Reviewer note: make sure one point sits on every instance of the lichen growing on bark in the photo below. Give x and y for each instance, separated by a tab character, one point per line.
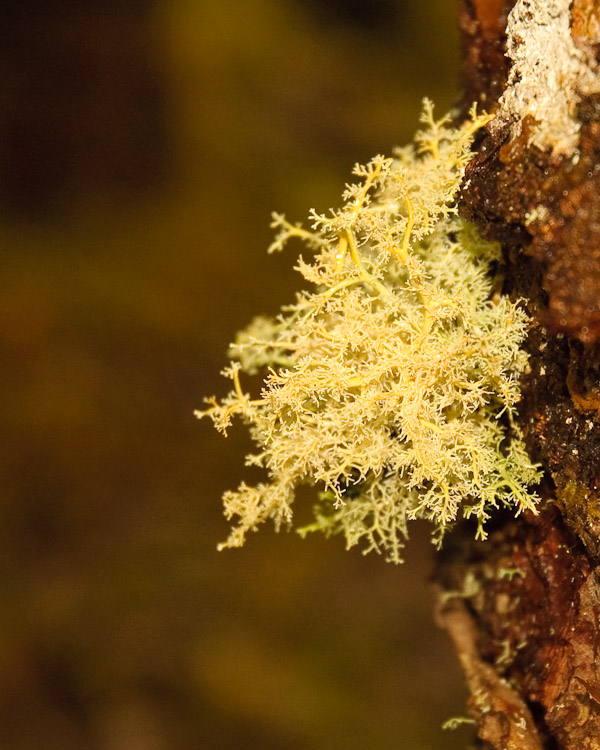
391	386
549	74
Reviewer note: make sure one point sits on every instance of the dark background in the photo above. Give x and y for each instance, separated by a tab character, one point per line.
142	147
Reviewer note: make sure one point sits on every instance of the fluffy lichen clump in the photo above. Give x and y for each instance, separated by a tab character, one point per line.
392	383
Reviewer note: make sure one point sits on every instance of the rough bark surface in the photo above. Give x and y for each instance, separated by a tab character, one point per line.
523	608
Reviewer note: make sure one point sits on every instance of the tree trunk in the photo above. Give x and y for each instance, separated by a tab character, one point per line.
523	607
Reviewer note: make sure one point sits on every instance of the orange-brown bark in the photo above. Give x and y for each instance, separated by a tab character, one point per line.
523	608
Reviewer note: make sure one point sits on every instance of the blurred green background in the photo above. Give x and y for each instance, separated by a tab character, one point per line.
142	147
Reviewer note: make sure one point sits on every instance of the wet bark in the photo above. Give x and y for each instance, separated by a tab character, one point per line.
523	608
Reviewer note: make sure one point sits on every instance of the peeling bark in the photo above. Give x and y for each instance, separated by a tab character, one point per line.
523	608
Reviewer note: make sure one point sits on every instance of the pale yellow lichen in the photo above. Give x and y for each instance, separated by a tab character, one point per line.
391	385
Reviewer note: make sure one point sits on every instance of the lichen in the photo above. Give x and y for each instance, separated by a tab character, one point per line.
549	74
391	386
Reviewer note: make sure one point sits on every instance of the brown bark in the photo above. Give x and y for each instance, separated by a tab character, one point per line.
523	608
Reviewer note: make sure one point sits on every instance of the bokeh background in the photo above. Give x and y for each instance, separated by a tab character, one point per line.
143	145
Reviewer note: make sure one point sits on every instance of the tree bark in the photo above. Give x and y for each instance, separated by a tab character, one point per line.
523	607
